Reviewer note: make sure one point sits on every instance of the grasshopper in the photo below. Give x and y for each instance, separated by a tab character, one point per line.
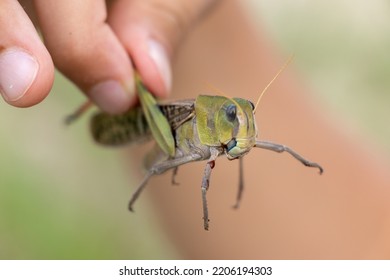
185	131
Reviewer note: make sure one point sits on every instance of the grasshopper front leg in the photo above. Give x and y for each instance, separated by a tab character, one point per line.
205	185
240	182
159	168
281	148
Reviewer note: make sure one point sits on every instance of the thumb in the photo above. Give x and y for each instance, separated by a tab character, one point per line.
26	68
151	32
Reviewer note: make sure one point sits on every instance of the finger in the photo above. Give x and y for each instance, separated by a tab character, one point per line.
26	68
86	50
151	31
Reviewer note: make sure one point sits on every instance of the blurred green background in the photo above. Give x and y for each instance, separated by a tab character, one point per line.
63	197
342	52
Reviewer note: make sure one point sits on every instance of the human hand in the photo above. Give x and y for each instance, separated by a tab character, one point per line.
96	44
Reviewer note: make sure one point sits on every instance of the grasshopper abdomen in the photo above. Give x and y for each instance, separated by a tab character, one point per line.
117	130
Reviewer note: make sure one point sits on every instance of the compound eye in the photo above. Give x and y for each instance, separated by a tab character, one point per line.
231	112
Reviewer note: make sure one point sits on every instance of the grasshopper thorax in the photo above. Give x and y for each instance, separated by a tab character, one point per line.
226	122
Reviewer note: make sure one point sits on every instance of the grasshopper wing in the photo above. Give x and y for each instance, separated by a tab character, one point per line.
178	112
158	123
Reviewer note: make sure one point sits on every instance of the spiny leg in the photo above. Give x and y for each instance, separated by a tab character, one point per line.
160	168
205	186
281	148
240	183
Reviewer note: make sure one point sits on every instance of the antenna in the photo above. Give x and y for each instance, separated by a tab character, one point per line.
274	78
214	89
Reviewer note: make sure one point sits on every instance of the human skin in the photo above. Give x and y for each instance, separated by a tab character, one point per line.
96	44
288	211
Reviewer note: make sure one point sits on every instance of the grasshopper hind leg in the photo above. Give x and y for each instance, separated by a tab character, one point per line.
140	188
159	168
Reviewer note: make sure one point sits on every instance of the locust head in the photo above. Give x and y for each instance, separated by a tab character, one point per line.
226	122
237	130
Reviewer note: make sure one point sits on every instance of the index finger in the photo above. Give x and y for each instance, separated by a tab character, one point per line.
86	50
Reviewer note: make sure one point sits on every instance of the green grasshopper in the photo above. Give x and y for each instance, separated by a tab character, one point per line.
185	131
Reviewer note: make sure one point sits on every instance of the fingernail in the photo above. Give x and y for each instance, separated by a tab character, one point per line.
160	58
18	70
111	96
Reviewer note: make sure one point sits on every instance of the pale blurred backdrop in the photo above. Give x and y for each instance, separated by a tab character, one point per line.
63	197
